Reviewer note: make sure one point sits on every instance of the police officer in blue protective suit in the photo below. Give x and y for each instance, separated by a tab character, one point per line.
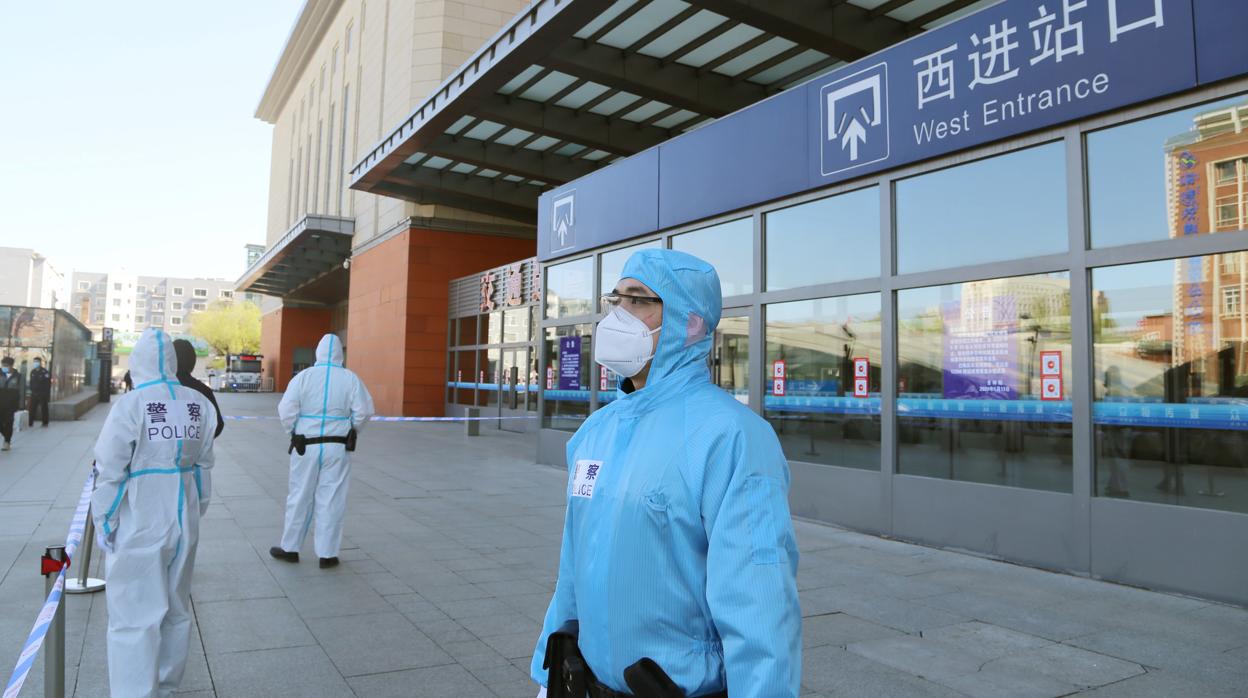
678	544
153	461
323	407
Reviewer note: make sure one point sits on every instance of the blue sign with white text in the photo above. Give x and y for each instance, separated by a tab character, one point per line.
1012	68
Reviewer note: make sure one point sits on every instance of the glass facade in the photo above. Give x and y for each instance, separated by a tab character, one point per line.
1177	174
920	363
824	241
976	402
962	214
823	389
569	364
1171	382
729	247
570	289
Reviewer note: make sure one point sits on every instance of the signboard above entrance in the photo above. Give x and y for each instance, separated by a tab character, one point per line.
1009	69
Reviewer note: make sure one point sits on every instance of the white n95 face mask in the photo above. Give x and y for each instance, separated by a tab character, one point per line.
623	343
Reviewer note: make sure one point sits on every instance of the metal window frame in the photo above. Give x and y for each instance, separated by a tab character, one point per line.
1079	260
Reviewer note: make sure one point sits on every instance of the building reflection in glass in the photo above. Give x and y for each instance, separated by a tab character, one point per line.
983	376
1171	409
810	398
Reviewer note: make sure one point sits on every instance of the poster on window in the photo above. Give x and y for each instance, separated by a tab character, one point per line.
980	342
569	363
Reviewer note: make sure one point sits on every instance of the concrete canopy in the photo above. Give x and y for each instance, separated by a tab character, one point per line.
570	86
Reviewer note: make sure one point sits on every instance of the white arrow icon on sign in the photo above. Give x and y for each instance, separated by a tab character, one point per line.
855	132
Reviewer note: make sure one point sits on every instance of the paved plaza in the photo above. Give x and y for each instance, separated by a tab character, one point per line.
450	556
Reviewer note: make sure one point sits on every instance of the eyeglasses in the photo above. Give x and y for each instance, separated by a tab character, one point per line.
615	299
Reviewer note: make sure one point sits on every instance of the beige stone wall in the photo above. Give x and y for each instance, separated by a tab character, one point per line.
400	50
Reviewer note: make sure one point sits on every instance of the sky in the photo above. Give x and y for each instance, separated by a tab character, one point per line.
127	132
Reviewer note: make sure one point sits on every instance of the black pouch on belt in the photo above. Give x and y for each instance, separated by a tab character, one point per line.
567	674
351	440
298	442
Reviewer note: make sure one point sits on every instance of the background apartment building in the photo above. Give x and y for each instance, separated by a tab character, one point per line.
28	279
130	303
371	268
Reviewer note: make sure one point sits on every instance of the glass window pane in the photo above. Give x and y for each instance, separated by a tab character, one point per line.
813	349
495	329
824	241
468	330
569	289
1181	173
1171	383
516	325
613	264
730	358
960	215
566	396
729	247
984	370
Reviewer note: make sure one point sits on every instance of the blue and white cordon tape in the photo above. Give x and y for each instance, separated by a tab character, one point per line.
34	641
392	419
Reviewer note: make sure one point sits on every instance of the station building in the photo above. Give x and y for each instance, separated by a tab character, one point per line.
983	263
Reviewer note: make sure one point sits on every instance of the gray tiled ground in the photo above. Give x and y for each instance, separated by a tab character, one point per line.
449	560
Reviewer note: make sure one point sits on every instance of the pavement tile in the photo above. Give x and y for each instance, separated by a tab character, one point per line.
431	682
517	646
292	671
251	624
835	672
507	623
375	643
334	595
840	629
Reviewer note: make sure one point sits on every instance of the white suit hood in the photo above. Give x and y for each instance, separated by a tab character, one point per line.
153	358
329	351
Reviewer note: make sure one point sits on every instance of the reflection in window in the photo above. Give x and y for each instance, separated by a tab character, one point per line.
613	265
516	325
813	349
729	247
824	241
984	368
1177	174
959	215
730	357
569	289
494	333
1171	410
567	373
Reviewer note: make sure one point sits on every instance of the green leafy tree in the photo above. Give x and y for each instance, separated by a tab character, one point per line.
229	328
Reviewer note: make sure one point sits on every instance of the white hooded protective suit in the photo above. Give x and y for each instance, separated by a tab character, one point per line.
153	459
325	399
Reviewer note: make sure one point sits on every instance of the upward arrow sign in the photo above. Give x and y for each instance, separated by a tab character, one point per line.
854	134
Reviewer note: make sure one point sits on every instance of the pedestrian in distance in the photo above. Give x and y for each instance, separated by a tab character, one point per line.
40	391
153	463
678	567
10	399
186	363
127	381
324	407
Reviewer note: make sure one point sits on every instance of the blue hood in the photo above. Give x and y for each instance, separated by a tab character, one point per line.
692	302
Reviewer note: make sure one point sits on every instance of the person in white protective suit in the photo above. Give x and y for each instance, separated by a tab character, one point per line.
678	569
153	462
323	405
